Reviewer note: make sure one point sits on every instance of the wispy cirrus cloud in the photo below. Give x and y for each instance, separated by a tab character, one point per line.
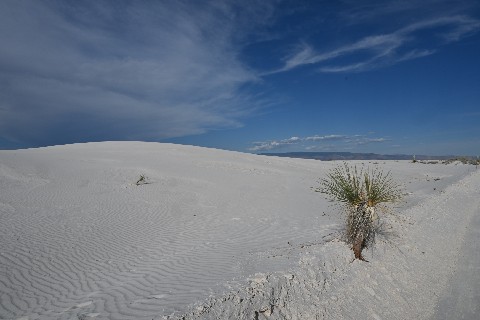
95	70
383	49
371	10
316	142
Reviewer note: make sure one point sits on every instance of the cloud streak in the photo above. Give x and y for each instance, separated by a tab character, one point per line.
383	49
122	70
315	142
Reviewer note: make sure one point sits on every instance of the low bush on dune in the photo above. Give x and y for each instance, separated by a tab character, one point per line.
360	191
143	179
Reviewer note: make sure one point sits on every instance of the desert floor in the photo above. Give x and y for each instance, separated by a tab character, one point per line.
225	235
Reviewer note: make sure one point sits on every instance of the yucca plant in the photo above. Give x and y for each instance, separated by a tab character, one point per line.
360	191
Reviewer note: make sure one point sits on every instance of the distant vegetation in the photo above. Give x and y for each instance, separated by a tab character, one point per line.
464	160
326	156
360	191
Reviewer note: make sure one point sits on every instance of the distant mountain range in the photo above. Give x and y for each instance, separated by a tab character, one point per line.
326	156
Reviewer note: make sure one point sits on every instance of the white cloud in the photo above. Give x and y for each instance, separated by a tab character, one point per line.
371	140
316	142
86	70
414	54
383	49
293	140
327	137
274	144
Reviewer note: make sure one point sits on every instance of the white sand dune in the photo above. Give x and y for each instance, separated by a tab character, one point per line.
79	240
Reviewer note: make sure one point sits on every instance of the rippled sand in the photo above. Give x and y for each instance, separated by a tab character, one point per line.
79	239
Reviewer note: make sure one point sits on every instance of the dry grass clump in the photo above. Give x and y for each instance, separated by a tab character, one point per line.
360	191
143	179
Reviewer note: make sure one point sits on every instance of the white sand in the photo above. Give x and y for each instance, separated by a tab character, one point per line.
461	300
79	240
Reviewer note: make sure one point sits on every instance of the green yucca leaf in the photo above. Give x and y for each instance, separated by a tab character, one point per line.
354	186
361	190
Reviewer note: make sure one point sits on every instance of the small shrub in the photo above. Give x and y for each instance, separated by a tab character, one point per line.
360	191
141	180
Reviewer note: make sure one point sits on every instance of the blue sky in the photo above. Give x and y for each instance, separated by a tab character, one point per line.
253	76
